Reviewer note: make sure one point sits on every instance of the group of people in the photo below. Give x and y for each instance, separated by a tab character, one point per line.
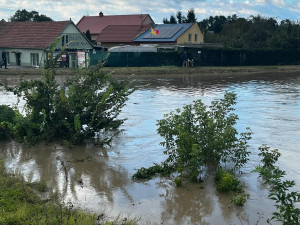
186	61
4	59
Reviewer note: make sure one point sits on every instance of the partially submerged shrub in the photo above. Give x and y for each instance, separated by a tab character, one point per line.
239	199
286	200
85	107
200	135
147	173
226	182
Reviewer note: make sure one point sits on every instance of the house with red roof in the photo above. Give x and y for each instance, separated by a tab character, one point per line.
110	30
27	43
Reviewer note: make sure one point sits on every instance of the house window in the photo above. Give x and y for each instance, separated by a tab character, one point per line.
190	37
196	37
34	59
64	39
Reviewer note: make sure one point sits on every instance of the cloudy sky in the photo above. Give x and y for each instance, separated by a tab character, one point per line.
158	9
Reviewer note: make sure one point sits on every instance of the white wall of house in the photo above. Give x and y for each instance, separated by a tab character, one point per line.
26	57
74	39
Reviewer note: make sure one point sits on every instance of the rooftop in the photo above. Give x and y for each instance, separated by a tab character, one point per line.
95	24
30	34
167	33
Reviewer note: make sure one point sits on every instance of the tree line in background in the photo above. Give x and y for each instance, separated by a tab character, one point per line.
25	16
255	32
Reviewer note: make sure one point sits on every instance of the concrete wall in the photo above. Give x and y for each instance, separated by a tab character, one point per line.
194	29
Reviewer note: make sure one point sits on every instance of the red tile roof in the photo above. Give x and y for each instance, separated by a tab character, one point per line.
30	34
97	23
121	33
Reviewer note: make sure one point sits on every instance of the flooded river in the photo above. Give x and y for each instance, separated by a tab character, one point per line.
99	179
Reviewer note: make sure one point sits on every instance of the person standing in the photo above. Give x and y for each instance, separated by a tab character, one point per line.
184	59
4	60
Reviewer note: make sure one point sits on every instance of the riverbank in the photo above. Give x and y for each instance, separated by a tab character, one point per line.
172	70
20	203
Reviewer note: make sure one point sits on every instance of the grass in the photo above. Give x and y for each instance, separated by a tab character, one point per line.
172	70
20	204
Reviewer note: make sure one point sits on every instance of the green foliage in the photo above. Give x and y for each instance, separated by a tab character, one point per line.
269	156
147	173
178	181
285	199
84	107
6	114
189	18
197	136
240	199
8	117
226	182
255	32
24	16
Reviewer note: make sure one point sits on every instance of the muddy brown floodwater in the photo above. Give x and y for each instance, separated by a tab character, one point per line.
99	179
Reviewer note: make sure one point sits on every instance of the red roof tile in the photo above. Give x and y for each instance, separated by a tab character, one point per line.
121	33
30	34
97	23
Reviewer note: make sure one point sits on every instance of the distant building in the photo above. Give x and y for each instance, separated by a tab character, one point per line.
172	34
111	30
27	43
114	35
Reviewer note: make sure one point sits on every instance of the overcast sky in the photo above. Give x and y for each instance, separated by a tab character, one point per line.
158	9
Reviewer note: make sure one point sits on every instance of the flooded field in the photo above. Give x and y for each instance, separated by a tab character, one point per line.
99	179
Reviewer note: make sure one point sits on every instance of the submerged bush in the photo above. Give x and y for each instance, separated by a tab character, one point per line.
280	190
226	182
147	173
197	136
7	122
84	108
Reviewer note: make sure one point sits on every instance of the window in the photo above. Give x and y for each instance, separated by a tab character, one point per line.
64	39
190	37
196	37
34	59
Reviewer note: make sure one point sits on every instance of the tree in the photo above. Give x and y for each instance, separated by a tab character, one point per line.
88	35
25	16
198	136
179	17
191	17
166	21
173	19
83	108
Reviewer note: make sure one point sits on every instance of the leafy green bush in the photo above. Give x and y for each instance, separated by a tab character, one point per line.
6	114
147	173
84	108
226	182
7	121
286	200
240	199
197	136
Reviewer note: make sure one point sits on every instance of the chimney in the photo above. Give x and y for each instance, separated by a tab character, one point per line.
101	14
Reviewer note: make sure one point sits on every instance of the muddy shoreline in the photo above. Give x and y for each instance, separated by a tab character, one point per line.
169	71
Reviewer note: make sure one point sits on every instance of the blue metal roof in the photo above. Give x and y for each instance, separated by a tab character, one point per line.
167	33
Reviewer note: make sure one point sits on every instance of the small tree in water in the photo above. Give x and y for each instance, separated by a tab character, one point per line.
84	107
197	136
